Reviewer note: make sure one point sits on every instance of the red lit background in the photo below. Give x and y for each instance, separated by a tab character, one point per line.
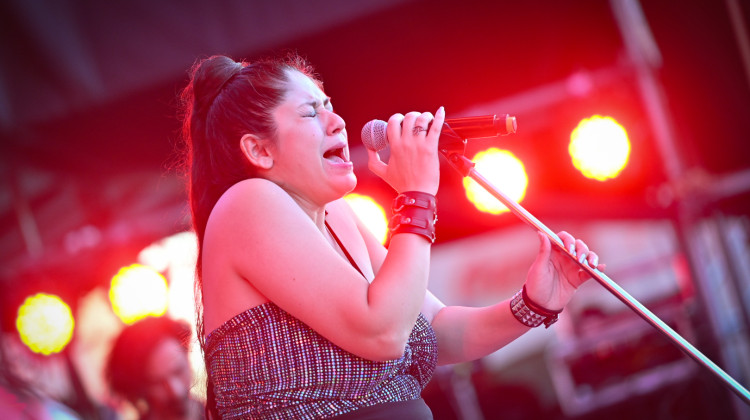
90	137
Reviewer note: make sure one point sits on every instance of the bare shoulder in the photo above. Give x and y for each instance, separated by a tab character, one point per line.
251	193
256	220
237	233
253	204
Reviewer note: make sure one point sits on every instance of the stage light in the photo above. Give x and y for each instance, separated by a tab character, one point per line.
503	170
370	213
138	291
45	323
599	147
176	256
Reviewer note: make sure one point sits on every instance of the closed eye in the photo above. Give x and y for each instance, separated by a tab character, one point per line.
312	108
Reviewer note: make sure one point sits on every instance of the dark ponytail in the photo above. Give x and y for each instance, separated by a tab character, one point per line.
223	101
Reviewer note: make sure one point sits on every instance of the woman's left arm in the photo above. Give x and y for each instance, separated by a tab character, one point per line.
466	333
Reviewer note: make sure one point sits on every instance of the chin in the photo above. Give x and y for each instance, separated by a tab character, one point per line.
345	186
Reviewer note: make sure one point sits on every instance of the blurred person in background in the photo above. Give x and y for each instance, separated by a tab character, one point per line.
148	366
43	387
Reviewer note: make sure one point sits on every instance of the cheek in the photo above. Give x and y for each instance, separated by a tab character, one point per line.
306	153
186	377
155	392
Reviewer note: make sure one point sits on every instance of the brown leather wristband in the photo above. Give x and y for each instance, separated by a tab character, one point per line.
414	212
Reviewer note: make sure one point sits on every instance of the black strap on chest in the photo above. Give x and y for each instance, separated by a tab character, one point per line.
341	245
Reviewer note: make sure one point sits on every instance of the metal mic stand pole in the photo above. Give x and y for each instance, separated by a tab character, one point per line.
454	153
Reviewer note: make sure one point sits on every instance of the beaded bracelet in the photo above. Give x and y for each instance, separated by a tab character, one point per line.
529	313
414	212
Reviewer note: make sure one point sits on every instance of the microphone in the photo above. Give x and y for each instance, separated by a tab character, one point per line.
374	136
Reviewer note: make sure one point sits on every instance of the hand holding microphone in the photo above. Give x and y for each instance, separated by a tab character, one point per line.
414	162
374	135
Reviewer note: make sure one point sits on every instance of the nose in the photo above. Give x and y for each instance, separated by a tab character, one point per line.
336	124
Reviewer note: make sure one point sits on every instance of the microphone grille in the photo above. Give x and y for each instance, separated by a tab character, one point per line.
373	135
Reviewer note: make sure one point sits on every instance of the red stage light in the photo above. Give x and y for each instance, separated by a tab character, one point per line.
599	147
138	291
371	214
505	171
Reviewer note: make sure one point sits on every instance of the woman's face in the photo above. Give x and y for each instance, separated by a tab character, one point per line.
311	152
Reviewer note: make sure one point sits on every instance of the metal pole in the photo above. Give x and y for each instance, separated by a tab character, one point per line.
613	287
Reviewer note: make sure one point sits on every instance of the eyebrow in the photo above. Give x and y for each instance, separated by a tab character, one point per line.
314	103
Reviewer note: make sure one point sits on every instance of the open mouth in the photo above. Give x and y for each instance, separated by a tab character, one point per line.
337	154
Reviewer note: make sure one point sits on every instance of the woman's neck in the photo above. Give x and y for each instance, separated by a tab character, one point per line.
315	211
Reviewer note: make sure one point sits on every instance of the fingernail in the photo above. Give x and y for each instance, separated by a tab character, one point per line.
572	249
582	258
596	261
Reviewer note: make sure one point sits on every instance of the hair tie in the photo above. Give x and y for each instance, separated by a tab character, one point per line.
238	68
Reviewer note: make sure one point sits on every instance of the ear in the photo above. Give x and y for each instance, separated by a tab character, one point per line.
257	151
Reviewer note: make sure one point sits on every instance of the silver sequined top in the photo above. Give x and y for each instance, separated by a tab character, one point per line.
266	364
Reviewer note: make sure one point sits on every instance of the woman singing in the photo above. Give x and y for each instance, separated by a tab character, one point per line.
303	313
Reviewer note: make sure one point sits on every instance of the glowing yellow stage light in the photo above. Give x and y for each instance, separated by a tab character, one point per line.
599	147
138	291
504	171
371	214
45	323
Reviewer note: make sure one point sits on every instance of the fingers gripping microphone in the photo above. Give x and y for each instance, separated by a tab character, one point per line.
374	132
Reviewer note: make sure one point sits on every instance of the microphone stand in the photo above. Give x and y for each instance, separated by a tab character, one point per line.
453	148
